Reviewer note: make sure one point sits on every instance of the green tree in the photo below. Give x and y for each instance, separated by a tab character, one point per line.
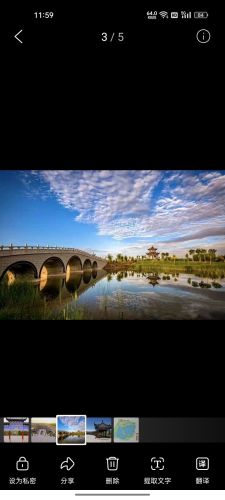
191	252
109	257
212	254
163	255
198	253
187	256
203	253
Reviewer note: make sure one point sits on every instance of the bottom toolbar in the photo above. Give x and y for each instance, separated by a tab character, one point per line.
113	467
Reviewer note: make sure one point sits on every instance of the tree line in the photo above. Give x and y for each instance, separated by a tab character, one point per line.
196	255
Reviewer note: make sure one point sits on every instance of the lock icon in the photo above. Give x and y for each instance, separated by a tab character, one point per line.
22	464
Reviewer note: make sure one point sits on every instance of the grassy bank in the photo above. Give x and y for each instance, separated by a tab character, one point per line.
201	269
113	267
22	301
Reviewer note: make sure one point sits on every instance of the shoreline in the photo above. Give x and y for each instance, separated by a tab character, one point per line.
118	267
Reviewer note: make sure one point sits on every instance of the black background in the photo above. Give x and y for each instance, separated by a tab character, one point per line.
110	107
73	102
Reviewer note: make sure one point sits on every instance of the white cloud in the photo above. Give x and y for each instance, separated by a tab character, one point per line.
158	205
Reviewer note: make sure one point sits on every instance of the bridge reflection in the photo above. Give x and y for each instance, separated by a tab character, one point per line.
60	289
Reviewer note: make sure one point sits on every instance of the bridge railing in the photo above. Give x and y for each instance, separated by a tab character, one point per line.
39	247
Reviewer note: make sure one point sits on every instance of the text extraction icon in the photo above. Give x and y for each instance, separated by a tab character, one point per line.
112	464
68	464
164	14
22	465
201	15
174	15
157	463
202	463
203	36
17	36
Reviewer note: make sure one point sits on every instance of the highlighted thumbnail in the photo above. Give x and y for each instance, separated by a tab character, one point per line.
71	429
99	430
16	430
43	430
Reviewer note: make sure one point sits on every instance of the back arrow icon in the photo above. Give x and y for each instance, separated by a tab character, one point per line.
16	36
67	464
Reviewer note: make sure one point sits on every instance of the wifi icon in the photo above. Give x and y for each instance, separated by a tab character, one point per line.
163	14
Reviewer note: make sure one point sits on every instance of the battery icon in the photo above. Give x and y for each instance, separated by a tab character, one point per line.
201	15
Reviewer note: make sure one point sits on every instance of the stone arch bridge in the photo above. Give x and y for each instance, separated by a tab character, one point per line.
39	262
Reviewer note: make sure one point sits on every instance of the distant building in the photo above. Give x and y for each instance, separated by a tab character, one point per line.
152	253
103	430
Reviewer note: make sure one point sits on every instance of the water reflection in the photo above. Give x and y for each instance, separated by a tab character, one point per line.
129	295
52	288
74	282
153	279
87	275
94	274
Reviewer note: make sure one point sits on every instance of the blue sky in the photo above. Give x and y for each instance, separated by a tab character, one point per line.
114	211
71	424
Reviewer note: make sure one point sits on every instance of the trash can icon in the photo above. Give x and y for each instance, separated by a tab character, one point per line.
112	464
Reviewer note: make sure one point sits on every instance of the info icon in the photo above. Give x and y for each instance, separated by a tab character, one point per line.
202	463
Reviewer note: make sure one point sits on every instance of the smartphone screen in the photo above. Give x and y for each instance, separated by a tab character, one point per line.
112	202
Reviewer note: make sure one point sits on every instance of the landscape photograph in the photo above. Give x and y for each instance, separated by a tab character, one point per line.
71	430
99	429
16	430
43	430
112	244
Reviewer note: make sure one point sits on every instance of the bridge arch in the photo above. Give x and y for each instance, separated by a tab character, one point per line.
95	265
87	264
20	270
73	265
51	266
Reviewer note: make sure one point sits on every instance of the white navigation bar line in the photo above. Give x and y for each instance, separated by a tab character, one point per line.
154	494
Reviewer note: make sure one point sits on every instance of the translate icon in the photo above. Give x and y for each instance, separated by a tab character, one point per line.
202	463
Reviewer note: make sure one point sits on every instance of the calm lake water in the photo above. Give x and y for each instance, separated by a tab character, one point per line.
72	440
131	295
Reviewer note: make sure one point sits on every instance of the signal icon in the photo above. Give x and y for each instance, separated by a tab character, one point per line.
164	14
